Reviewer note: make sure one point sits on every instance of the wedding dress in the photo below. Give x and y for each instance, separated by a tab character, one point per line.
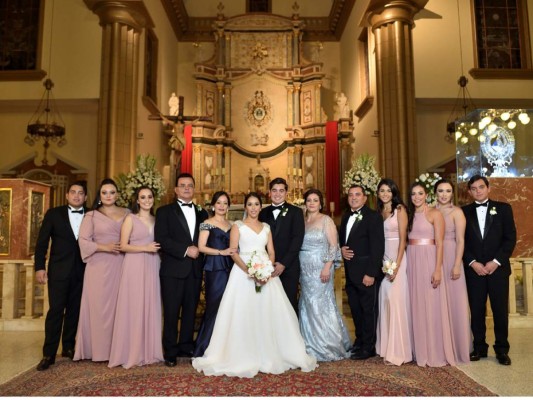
254	332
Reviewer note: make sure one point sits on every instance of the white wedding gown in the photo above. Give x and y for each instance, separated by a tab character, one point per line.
254	332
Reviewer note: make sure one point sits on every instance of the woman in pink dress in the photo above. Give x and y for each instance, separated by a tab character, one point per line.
432	339
394	324
100	249
453	273
137	328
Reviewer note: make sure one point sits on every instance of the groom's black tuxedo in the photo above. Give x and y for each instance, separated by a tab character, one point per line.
288	231
497	243
65	279
181	277
367	240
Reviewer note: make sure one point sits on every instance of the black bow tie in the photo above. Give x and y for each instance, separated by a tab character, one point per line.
277	207
80	211
185	204
358	212
485	204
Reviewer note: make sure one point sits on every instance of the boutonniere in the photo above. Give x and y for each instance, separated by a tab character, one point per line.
284	211
198	207
493	211
358	217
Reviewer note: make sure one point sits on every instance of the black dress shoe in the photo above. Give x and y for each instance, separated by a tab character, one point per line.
68	353
45	363
476	355
503	359
170	363
363	354
354	349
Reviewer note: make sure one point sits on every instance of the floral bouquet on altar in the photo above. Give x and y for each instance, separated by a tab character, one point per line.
362	173
428	180
259	267
389	266
145	174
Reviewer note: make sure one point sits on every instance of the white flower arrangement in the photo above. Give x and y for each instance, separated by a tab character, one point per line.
362	173
298	202
493	211
145	174
428	180
389	266
259	267
358	217
284	211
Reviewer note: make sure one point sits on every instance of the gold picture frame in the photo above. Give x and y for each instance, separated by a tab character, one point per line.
35	218
6	196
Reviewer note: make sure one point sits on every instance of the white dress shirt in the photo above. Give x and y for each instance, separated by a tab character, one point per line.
350	223
190	215
75	220
482	217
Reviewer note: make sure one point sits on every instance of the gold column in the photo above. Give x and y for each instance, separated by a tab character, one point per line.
122	23
391	22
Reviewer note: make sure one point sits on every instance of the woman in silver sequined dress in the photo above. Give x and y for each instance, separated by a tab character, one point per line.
321	324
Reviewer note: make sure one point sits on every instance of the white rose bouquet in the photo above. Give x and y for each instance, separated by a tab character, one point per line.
389	266
362	173
259	267
145	174
428	180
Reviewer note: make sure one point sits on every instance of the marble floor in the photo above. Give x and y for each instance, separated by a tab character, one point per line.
21	351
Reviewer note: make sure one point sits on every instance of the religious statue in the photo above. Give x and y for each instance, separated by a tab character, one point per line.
341	109
174	105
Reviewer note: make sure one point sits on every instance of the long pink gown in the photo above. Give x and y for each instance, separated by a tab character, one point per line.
432	339
456	294
100	287
137	329
394	324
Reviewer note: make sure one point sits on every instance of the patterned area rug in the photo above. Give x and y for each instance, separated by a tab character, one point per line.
341	378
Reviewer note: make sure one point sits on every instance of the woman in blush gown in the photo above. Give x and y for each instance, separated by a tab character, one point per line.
321	324
213	241
137	329
453	273
254	331
394	334
432	339
99	242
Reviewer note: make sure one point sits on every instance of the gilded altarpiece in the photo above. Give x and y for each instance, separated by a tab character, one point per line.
264	100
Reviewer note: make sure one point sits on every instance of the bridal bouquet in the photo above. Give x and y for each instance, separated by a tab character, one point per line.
259	267
389	266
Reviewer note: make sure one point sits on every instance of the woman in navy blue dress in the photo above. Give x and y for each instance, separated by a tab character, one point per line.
213	241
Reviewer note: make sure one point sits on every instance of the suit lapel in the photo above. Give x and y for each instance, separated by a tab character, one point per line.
66	220
181	218
474	223
196	230
278	221
488	220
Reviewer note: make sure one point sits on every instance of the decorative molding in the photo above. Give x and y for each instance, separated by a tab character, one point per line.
201	29
493	73
35	75
364	107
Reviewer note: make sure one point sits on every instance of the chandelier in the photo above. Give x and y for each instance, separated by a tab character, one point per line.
46	123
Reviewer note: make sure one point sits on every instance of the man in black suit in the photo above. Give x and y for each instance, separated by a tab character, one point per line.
61	225
288	228
176	229
490	238
362	242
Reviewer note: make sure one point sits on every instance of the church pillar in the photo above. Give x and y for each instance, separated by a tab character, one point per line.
122	23
392	22
226	179
296	113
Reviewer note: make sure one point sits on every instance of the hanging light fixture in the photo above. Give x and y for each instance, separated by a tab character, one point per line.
46	122
457	132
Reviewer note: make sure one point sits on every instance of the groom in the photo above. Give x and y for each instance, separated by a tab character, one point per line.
362	242
287	225
490	238
176	229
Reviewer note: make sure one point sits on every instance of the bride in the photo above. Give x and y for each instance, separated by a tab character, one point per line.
254	331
